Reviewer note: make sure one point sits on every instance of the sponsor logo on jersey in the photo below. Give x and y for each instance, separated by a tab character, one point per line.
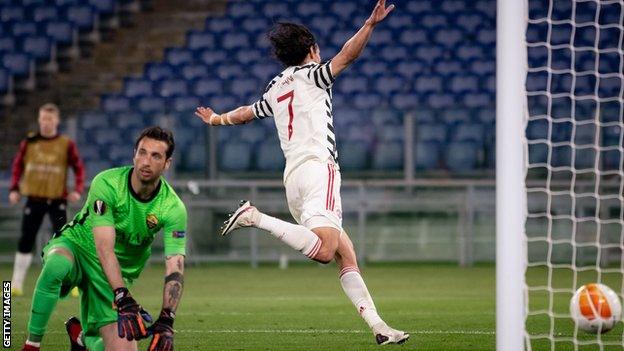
99	207
178	234
151	221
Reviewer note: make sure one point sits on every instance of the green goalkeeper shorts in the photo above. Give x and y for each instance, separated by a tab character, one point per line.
96	295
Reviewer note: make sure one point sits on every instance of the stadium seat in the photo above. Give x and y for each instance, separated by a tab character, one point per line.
185	103
207	87
242	9
178	56
561	156
461	157
371	67
219	25
159	71
127	120
449	38
245	87
400	21
265	71
211	57
235	156
427	155
469	21
324	25
388	156
150	104
441	101
23	28
10	13
238	40
93	120
584	158
352	84
45	13
353	156
275	9
611	160
63	33
390	84
41	48
431	132
464	84
247	56
22	68
115	103
472	132
83	16
308	9
460	116
538	153
200	40
269	156
429	84
367	101
172	87
478	100
584	134
229	71
137	87
611	135
223	103
390	133
194	71
405	100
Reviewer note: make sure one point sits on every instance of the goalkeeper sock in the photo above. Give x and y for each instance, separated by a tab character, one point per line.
20	267
94	343
47	292
353	285
296	236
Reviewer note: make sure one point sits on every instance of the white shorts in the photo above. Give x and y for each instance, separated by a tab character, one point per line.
313	195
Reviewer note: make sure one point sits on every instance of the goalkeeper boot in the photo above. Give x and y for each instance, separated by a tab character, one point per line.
385	335
16	292
245	215
74	331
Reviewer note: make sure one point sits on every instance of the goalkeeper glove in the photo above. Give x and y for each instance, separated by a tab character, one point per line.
162	331
130	316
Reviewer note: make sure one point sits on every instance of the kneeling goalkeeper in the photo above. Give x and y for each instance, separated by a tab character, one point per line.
105	248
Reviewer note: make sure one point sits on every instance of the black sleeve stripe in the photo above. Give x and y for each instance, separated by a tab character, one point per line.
328	69
255	107
262	109
316	81
268	106
325	82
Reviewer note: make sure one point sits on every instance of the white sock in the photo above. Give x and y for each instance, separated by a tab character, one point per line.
353	285
296	236
32	343
20	267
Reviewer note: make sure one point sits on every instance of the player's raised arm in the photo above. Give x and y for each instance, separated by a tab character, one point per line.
241	115
353	48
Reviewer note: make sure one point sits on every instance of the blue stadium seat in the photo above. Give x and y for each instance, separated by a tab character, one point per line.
448	68
255	25
367	101
20	65
194	159
159	71
417	7
429	84
23	28
414	37
584	158
89	152
381	38
229	71
127	120
237	40
265	71
462	157
94	120
249	56
275	9
561	156
115	103
10	13
172	87
96	166
137	87
200	40
353	156
371	67
235	156
449	38
431	132
324	24
41	48
178	56
405	100
427	155
63	33
538	153
400	21
219	25
104	137
6	81
242	9
83	16
456	116
245	87
469	21
105	7
390	84
478	100
207	87
464	83
585	134
352	84
194	71
611	135
433	20
390	133
486	36
45	13
307	9
211	57
151	104
185	103
252	133
269	156
469	132
537	129
388	156
393	54
7	44
611	160
425	115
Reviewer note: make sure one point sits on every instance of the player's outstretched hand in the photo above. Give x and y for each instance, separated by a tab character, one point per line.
162	332
379	12
130	316
206	114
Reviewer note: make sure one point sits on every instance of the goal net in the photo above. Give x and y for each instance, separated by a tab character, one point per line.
574	181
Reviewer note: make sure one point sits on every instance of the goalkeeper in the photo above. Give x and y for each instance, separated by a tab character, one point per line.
105	248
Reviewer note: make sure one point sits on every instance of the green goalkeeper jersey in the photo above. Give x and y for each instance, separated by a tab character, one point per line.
113	202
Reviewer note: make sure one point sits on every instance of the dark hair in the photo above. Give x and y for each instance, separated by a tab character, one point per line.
291	42
158	133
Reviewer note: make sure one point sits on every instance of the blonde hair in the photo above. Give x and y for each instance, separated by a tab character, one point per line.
50	107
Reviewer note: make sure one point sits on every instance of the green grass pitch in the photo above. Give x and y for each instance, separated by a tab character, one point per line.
235	307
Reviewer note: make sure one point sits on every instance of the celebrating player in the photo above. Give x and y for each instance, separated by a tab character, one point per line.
105	248
299	99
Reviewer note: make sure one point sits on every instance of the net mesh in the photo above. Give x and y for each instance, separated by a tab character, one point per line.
574	183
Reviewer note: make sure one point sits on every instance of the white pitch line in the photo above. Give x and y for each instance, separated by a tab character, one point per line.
310	331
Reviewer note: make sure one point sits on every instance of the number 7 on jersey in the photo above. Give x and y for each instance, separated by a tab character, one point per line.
290	96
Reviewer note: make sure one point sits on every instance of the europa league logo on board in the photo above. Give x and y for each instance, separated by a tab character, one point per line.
151	221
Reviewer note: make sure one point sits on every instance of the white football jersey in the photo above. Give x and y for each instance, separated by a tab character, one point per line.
300	100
